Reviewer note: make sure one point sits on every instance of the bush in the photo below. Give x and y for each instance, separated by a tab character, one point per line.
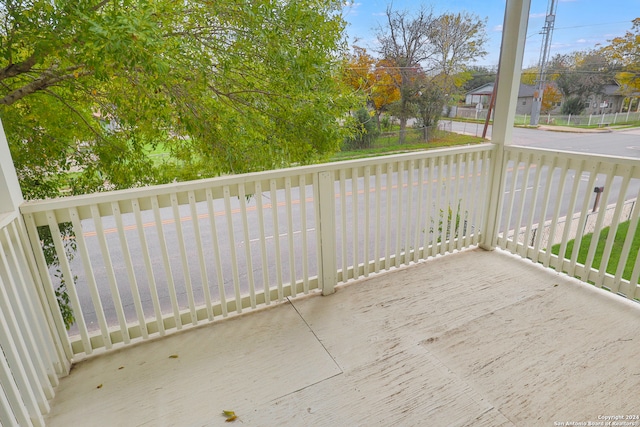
364	133
574	106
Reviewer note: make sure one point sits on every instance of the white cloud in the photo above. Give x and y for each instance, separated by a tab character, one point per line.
497	28
537	15
351	9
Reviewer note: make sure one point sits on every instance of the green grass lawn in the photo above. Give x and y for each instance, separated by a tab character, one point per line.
388	145
618	242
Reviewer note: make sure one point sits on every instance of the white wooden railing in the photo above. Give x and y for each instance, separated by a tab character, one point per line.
31	356
150	260
549	197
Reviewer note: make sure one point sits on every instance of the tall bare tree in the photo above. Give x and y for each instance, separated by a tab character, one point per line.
439	47
404	41
456	39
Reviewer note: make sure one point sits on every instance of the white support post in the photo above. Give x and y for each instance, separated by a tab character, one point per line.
514	33
326	233
10	193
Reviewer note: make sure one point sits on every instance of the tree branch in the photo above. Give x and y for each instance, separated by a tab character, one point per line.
66	104
13	70
47	79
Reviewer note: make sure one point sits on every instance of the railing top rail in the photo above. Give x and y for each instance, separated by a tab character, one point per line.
158	190
576	156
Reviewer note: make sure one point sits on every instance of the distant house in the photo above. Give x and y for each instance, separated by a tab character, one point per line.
611	100
482	95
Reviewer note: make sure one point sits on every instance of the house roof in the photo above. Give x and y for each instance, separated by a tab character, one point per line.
525	91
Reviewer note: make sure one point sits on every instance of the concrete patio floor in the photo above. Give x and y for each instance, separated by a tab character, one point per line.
470	339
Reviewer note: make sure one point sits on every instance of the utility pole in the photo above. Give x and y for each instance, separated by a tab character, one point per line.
547	33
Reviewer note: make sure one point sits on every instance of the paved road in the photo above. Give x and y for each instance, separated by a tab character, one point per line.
624	143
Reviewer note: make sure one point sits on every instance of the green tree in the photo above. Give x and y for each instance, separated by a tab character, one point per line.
478	76
625	51
430	103
365	131
227	86
574	106
581	74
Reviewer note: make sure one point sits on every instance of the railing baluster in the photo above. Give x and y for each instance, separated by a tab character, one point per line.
69	282
292	264
216	252
34	300
242	199
378	224
204	277
613	226
233	247
387	218
593	166
20	325
165	259
263	244
343	226
564	167
474	197
16	370
355	214
400	189
515	171
429	247
442	206
135	293
521	219
409	222
546	193
153	288
463	226
276	236
183	257
417	253
483	194
573	198
524	249
600	225
304	224
367	218
455	219
81	247
111	275
624	254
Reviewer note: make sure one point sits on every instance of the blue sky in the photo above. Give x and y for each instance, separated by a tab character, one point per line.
579	25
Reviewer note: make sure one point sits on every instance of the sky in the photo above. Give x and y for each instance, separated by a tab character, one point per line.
579	24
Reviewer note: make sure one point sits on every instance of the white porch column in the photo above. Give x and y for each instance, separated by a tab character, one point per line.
10	193
514	33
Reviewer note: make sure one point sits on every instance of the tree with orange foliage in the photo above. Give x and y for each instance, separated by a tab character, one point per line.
551	96
386	90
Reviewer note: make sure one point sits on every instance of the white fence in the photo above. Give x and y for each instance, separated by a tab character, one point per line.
601	120
138	263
